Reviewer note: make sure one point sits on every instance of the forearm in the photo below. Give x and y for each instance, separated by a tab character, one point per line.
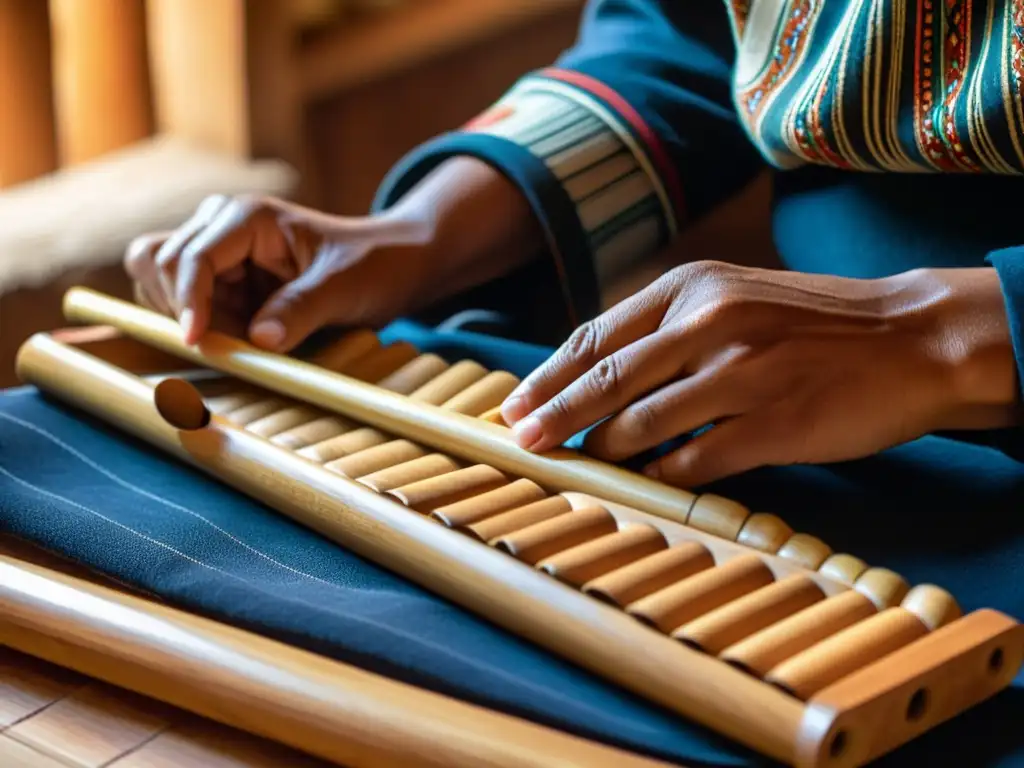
479	227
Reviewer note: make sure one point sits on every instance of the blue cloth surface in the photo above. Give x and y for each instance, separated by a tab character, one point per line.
936	510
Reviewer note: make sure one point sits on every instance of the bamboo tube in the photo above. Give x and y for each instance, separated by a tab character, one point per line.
652	574
721	549
423	468
472	439
313	432
512	520
497	587
319	706
485	505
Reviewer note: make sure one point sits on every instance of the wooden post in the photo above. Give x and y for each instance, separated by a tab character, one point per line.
101	76
27	144
223	75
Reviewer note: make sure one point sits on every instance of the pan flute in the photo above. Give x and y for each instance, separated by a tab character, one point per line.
726	617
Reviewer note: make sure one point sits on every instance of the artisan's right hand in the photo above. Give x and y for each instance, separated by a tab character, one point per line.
282	271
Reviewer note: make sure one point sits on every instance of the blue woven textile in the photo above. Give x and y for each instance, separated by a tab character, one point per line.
936	510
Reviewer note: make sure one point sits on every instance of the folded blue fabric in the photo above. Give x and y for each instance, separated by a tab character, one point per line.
935	510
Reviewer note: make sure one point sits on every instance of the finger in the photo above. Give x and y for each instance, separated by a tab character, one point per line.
729	448
221	245
140	254
608	387
241	231
169	253
682	406
632	319
297	309
140	266
144	299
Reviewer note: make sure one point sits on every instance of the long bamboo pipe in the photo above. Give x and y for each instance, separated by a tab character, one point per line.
456	434
319	706
498	587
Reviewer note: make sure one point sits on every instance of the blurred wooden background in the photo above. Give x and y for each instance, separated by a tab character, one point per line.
340	89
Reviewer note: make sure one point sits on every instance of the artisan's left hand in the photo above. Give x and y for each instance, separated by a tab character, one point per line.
790	368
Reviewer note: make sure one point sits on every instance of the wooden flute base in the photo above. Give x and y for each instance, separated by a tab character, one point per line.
730	619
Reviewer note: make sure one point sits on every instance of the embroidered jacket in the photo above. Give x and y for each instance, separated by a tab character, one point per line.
664	108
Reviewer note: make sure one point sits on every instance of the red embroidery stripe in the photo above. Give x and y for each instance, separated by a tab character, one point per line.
489	117
655	149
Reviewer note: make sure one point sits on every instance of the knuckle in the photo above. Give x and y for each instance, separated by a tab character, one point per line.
583	344
166	259
606	377
724	308
139	254
558	409
211	204
697	271
708	277
251	206
638	420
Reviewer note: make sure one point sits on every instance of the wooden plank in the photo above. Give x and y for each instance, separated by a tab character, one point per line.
52	717
60	718
14	754
383	43
28	686
358	134
202	743
94	725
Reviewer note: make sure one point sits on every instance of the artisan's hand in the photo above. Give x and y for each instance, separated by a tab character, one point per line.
790	368
282	271
237	253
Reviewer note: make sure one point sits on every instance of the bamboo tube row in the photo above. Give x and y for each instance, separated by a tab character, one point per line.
757	611
450	408
729	586
754	607
380	528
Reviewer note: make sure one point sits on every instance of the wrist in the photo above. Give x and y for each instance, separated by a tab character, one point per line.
960	319
476	223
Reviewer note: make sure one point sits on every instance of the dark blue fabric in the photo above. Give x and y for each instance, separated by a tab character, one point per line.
936	510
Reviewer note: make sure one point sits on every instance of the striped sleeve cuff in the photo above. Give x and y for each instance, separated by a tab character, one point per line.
1009	266
595	174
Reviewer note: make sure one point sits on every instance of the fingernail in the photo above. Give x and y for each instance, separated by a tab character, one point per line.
653	471
513	409
528	432
268	333
187	321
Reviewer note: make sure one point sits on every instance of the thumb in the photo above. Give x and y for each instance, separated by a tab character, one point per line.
728	448
295	310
